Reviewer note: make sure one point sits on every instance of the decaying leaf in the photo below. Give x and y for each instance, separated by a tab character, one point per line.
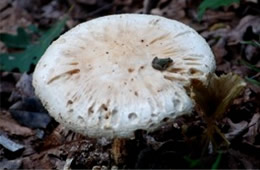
10	144
23	88
236	35
254	129
213	100
11	164
236	129
9	125
118	150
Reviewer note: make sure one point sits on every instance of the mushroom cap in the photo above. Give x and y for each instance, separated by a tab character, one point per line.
97	79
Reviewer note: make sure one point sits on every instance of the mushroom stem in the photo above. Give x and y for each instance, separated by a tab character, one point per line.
119	150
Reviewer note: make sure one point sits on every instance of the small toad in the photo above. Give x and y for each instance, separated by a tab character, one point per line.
161	64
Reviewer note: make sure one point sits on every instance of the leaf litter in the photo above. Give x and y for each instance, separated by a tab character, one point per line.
231	31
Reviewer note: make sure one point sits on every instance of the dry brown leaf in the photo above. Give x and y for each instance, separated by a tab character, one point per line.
219	50
235	129
12	18
236	35
23	88
214	16
10	126
11	164
174	10
60	136
254	129
214	98
87	2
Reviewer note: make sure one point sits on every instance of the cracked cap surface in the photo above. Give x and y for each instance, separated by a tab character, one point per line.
97	79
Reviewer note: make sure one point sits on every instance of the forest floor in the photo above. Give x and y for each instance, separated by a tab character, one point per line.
31	139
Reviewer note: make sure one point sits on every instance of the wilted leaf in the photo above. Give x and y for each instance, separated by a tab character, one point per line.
236	129
33	52
214	98
213	4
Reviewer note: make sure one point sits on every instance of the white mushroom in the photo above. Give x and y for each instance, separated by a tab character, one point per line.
98	78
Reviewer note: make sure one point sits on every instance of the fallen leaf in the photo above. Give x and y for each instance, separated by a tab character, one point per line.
51	10
31	119
59	136
120	2
213	99
20	40
236	129
11	164
242	160
254	129
4	4
10	126
236	35
67	164
219	50
12	18
252	53
23	88
212	17
174	9
225	68
10	144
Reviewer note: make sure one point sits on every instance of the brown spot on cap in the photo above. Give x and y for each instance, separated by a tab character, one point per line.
130	70
104	107
69	102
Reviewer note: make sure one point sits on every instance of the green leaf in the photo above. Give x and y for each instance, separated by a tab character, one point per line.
21	40
253	81
192	162
33	52
217	162
252	42
35	30
213	4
